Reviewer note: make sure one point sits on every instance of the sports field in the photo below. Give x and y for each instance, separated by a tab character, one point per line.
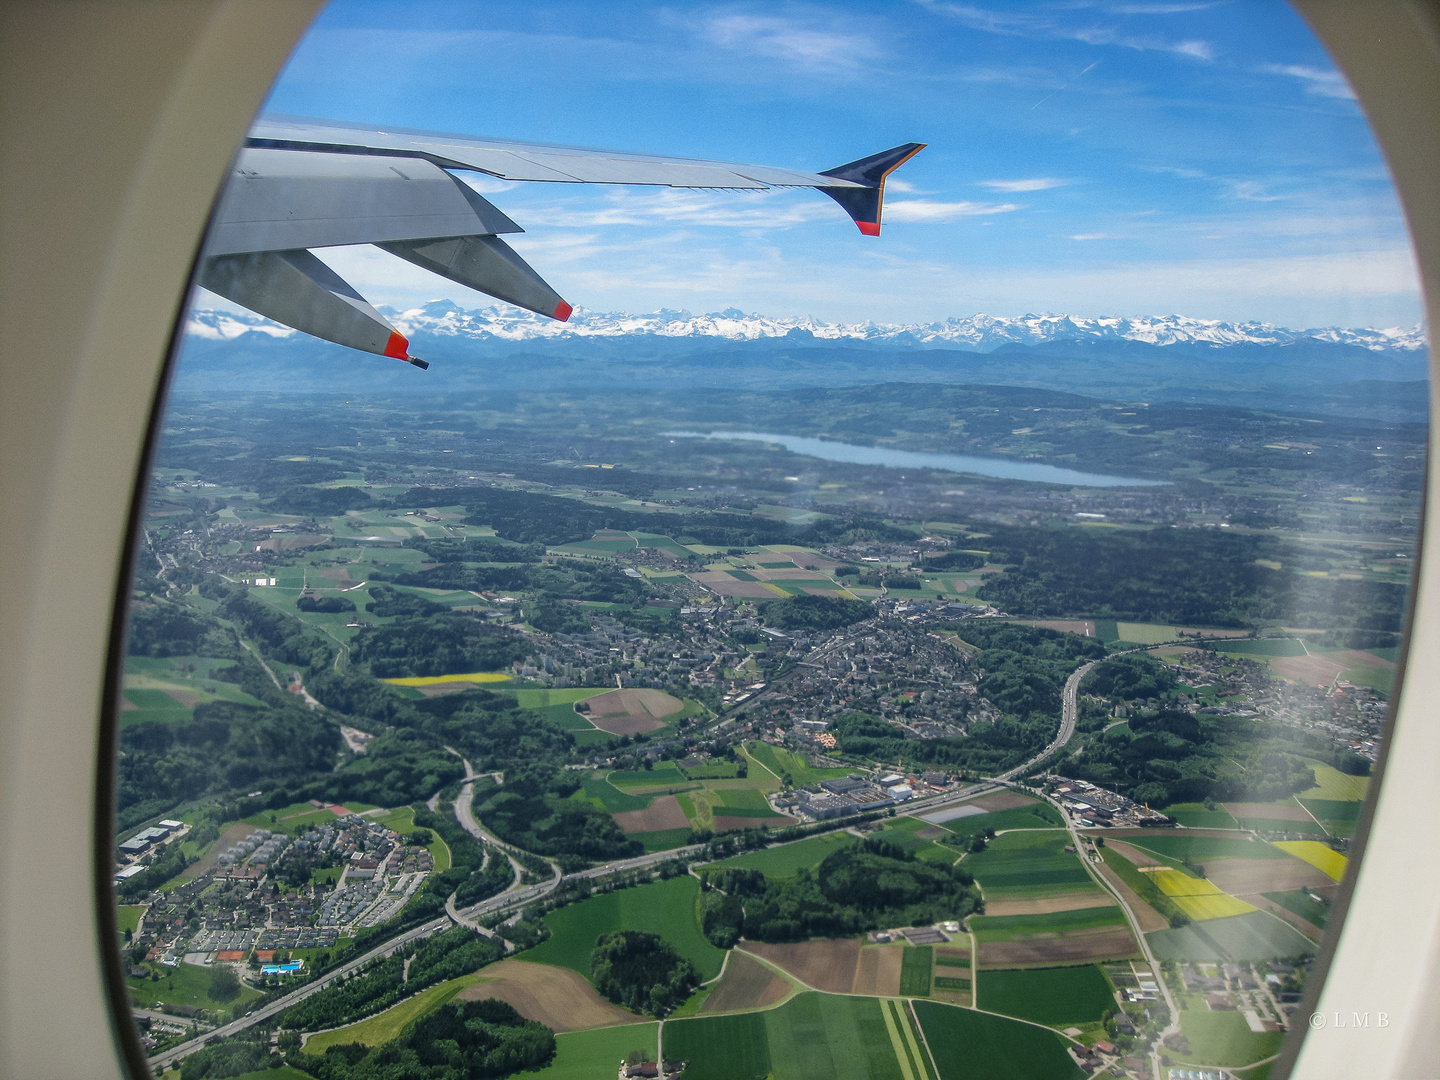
1056	997
596	1055
1319	855
666	908
1027	864
785	860
1256	936
1197	897
969	1045
811	1037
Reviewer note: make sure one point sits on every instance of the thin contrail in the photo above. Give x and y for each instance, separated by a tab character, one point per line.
1052	93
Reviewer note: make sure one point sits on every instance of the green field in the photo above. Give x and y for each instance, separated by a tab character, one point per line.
1195	816
1223	1038
1255	936
915	967
1107	630
182	985
665	774
1301	903
666	908
1262	647
952	982
1037	816
969	1045
1056	997
1338	817
1175	847
1010	927
127	917
596	1054
610	799
718	769
1331	783
785	860
811	1037
780	761
1144	633
662	839
1027	864
284	1072
1281	825
382	1027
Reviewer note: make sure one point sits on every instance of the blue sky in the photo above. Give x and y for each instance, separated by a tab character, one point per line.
1094	158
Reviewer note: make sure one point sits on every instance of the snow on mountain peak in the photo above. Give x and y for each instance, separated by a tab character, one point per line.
978	333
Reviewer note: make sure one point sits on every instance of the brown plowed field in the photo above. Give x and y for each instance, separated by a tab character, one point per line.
1002	800
1134	855
184	697
1150	920
725	823
877	974
631	712
724	585
1239	810
556	997
1071	901
1357	658
1311	670
1101	944
663	813
1236	876
746	984
941	951
825	965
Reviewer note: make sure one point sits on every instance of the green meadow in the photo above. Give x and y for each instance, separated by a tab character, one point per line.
666	908
969	1045
1011	927
1027	864
1056	997
786	859
813	1036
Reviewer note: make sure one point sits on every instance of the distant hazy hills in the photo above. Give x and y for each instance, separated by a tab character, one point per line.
1335	369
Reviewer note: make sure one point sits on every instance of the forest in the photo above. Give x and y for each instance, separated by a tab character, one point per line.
641	972
858	888
466	1040
1201	577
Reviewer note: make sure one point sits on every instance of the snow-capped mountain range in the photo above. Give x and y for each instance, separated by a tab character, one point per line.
976	333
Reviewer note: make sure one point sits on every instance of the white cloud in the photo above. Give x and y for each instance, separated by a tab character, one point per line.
1318	81
1095	236
1254	191
786	39
1026	24
1043	183
933	211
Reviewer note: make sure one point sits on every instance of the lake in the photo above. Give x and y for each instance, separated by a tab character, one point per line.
851	454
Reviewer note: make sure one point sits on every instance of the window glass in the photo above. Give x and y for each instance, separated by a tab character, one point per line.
873	653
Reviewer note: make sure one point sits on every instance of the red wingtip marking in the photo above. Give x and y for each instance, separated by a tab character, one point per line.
562	312
398	347
869	228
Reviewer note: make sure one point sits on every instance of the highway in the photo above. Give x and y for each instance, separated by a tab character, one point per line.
515	897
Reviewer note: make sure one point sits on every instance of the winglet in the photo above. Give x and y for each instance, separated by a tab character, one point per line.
863	203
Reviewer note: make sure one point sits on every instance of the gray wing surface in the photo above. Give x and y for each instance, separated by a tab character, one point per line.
302	184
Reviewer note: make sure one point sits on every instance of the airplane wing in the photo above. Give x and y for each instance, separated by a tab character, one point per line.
300	184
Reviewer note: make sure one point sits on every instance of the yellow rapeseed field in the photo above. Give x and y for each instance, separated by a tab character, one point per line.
435	680
1321	856
1197	897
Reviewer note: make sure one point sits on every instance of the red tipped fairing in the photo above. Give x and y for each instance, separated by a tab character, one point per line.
301	185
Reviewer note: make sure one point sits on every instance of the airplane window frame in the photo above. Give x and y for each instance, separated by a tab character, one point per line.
1417	206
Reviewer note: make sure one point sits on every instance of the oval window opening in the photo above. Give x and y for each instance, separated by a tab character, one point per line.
625	607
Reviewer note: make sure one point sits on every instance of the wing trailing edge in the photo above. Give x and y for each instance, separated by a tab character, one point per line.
304	184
